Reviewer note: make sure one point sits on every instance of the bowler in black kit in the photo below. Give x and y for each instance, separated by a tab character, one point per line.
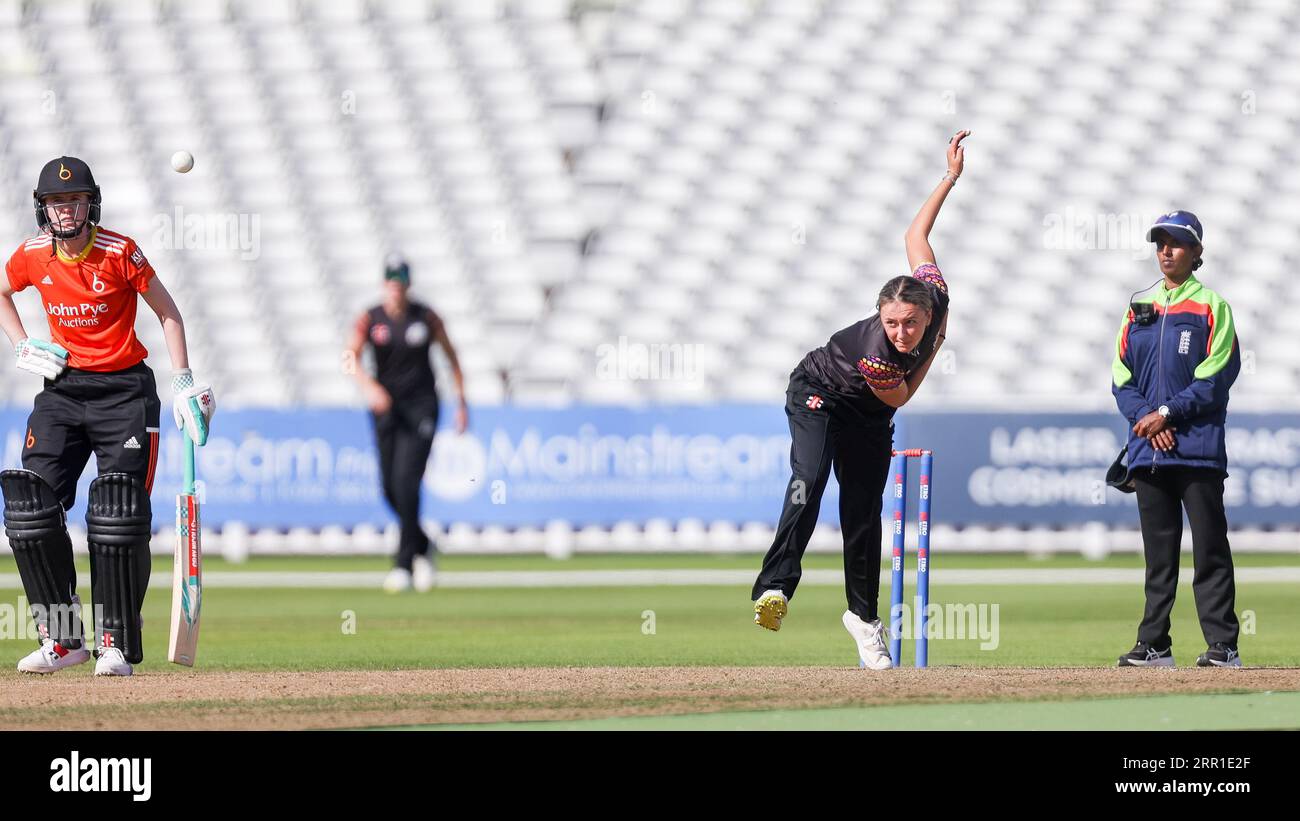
840	405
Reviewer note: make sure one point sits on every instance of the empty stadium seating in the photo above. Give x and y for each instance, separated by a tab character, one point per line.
326	134
738	173
734	175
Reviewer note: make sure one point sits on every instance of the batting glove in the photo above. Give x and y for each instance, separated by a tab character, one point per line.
41	358
193	406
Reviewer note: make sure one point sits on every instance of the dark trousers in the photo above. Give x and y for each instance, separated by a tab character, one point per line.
405	438
1162	497
831	434
113	415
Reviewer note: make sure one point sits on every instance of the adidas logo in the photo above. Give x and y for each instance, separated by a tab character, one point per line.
47	280
131	443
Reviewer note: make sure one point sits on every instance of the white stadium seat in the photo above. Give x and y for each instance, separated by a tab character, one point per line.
670	180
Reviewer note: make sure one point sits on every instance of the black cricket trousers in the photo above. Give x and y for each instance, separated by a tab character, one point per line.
404	436
830	433
112	414
1162	495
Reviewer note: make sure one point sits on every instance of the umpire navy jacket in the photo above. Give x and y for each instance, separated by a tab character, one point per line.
1187	359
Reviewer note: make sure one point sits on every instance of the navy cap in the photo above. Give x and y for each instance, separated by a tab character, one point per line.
1181	225
65	175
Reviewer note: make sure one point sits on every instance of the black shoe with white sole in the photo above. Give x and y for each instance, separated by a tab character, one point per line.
1144	655
1219	655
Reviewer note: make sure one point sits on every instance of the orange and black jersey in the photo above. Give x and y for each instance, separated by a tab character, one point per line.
89	300
861	356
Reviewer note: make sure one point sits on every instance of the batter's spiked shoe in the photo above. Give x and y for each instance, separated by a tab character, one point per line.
52	657
111	662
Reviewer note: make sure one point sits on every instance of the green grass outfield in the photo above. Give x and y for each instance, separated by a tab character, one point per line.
363	628
1246	711
682	561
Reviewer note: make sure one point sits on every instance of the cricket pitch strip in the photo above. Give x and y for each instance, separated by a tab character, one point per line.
180	700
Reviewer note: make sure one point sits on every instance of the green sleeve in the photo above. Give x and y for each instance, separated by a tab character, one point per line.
1223	336
1119	369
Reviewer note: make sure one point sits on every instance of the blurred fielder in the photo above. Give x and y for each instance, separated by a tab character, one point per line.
840	404
403	400
99	397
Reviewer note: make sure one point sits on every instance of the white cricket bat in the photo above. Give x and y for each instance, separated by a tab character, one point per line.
187	570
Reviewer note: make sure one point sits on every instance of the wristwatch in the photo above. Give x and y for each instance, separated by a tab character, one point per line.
1163	410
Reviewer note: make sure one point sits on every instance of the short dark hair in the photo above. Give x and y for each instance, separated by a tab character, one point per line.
905	289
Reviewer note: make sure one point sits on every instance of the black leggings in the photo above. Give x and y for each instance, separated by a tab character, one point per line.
405	437
1162	497
858	446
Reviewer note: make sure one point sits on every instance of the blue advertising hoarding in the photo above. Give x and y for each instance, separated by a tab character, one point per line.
600	465
1049	469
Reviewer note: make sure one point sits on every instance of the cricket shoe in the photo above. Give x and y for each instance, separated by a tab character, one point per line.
52	657
398	580
424	574
1144	655
870	636
1219	655
770	608
111	662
